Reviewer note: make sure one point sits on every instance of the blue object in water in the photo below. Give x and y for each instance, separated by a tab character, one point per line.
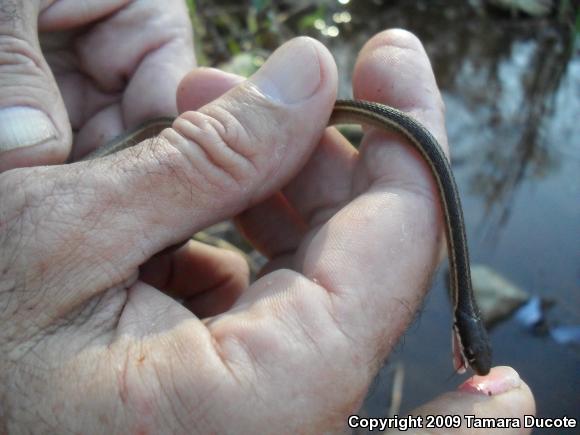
566	334
530	314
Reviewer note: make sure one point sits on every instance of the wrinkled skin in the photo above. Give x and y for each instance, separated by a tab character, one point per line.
92	336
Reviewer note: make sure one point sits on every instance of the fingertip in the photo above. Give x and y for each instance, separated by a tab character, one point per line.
328	68
499	380
225	274
393	68
203	85
209	279
512	401
34	126
396	37
301	70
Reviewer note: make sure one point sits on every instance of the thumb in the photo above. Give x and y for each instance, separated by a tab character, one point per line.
499	397
34	126
211	165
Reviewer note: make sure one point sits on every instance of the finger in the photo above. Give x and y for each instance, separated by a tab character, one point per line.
214	163
34	127
208	279
137	52
376	254
273	226
198	88
501	395
323	186
408	66
327	182
165	51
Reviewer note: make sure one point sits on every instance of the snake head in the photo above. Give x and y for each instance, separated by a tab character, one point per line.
471	344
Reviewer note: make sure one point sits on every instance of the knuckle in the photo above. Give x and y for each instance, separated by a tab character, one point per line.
219	145
19	58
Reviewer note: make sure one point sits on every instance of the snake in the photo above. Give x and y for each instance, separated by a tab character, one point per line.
470	342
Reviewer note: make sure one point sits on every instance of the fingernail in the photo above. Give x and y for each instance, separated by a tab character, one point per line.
292	73
23	126
500	380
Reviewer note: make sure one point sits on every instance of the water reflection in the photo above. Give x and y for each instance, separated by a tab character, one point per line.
520	105
504	74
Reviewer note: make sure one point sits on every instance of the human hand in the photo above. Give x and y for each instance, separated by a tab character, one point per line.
329	224
87	346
